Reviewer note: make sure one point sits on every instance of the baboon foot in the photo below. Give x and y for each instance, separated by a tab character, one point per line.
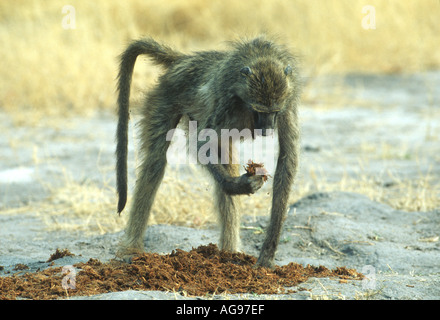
126	253
265	262
230	246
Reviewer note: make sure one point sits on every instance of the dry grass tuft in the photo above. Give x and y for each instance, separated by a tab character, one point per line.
421	194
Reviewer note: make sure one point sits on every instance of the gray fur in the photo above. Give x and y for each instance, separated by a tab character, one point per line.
255	85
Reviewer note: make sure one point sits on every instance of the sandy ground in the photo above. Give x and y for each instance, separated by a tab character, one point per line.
388	126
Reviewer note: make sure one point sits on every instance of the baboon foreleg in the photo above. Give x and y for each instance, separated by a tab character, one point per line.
284	176
235	185
224	173
281	191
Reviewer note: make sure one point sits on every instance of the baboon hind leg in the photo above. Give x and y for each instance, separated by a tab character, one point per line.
154	146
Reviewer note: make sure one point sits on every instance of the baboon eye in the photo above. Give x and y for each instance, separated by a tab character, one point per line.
246	71
288	70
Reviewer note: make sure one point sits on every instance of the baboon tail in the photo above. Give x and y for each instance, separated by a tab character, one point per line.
161	55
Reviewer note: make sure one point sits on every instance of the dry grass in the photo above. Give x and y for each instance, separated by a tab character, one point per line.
47	70
186	199
91	209
421	194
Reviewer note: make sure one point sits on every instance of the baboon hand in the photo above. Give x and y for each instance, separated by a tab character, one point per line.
255	182
245	184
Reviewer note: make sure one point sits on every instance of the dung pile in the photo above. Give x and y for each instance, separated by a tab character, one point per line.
201	271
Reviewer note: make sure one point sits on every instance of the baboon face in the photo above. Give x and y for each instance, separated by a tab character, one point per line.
267	87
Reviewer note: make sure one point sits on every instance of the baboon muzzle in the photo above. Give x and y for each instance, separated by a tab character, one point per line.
265	122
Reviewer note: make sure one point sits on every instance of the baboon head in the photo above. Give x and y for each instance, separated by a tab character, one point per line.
266	89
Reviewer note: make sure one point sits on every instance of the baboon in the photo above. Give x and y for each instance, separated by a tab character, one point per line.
254	85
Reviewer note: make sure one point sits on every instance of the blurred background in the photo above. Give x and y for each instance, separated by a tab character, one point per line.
47	68
369	106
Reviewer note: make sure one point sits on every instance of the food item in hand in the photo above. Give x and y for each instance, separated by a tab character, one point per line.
253	168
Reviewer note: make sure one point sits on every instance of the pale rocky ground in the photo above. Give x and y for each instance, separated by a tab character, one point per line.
386	127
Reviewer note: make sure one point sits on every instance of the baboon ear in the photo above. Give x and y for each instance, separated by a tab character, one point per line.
288	70
246	71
